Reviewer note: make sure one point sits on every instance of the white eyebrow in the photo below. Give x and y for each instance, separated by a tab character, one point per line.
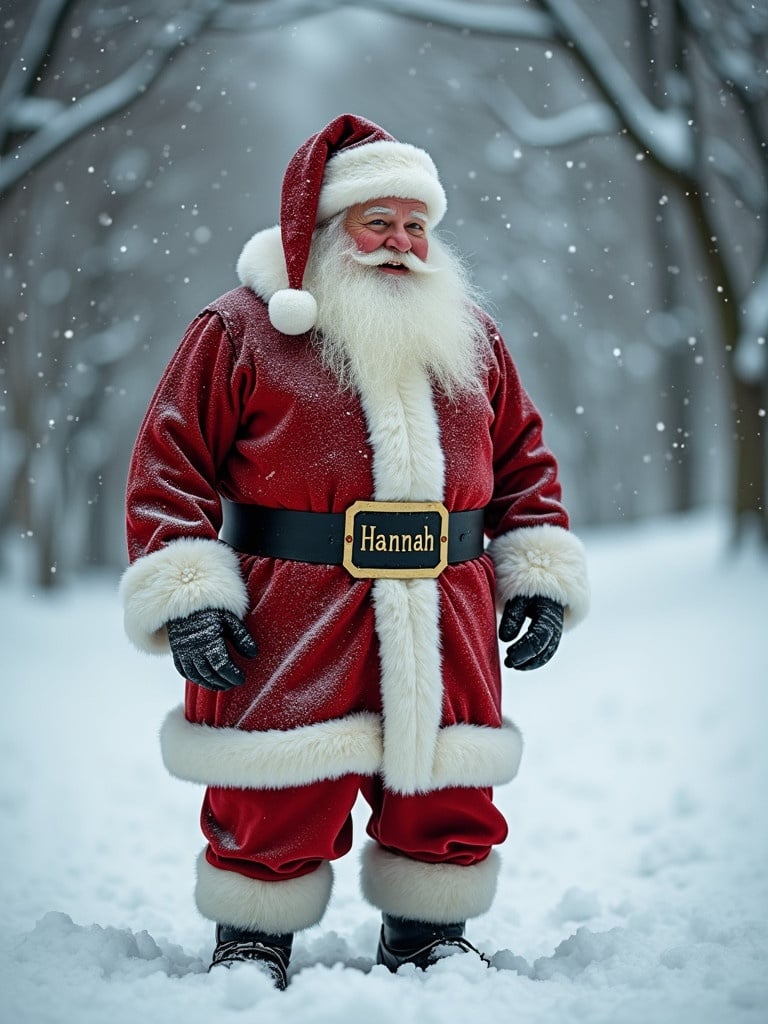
417	214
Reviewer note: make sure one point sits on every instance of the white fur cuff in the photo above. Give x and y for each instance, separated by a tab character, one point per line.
439	893
274	907
185	576
542	561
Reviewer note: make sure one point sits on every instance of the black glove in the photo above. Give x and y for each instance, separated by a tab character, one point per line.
540	642
200	652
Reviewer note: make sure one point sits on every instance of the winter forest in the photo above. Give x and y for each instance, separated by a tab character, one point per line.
607	175
606	167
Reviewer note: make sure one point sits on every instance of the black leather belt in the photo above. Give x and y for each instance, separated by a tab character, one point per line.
382	532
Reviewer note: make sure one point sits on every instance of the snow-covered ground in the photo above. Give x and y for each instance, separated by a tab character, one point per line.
635	878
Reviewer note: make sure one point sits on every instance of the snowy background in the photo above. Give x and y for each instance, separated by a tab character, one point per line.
590	152
635	879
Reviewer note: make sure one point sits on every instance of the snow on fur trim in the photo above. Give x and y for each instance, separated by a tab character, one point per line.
272	759
379	169
464	755
185	576
275	907
543	561
441	893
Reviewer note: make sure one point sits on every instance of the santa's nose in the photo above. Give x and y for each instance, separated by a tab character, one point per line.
399	241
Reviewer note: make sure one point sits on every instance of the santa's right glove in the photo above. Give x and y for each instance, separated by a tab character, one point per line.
200	652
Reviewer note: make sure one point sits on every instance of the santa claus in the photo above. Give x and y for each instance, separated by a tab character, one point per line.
339	481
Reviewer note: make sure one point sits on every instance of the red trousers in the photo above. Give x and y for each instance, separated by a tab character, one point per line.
280	834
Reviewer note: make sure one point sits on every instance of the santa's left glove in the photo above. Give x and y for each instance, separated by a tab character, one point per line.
542	638
199	644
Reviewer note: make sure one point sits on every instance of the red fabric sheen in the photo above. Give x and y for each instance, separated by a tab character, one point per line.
275	835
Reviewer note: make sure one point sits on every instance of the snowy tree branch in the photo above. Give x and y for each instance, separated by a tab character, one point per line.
21	73
751	357
736	70
743	181
731	64
101	103
29	113
490	19
664	133
564	129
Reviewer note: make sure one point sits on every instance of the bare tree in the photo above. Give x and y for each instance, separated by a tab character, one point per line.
699	57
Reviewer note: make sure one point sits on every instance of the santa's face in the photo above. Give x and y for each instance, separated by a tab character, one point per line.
378	325
391	227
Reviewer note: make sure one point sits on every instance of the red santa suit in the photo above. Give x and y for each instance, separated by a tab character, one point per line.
391	686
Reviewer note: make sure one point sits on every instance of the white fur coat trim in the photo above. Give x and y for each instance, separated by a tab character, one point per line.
275	907
441	893
464	755
545	561
472	755
183	577
407	619
274	758
408	465
261	266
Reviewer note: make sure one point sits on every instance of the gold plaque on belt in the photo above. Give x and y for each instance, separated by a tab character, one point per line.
396	539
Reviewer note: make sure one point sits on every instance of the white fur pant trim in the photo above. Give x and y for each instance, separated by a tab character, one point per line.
438	893
274	907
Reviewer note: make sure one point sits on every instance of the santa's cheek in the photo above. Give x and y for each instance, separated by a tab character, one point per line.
366	242
420	248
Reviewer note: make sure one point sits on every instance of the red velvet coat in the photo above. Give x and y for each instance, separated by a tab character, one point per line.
399	677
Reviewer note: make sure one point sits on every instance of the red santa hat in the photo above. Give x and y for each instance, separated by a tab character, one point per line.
350	161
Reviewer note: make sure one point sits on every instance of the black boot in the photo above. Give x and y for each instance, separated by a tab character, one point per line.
418	942
270	952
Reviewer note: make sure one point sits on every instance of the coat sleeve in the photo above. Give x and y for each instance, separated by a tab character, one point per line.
533	551
173	508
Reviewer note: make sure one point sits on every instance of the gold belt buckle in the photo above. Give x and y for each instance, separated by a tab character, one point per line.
395	539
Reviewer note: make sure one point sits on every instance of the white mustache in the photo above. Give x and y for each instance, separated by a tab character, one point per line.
379	257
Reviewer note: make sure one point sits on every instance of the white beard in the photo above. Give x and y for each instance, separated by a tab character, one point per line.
374	328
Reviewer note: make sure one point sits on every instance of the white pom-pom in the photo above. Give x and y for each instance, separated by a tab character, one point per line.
293	311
